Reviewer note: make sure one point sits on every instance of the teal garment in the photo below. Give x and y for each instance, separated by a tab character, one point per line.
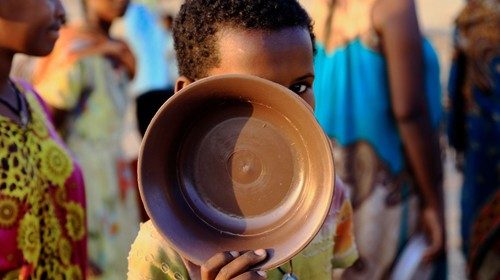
353	98
353	105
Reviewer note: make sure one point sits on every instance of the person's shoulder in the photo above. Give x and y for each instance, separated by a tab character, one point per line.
151	256
148	237
392	6
385	12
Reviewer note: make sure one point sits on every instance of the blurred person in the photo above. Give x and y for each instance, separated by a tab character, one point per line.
168	22
474	132
153	84
150	43
85	81
42	200
378	98
23	66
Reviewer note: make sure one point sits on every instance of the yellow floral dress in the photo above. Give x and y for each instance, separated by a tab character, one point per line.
333	247
42	201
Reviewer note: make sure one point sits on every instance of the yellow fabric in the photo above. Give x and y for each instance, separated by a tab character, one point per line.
34	169
93	90
152	258
64	87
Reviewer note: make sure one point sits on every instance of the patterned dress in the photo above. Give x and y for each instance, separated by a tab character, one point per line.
42	201
333	247
474	131
78	79
353	107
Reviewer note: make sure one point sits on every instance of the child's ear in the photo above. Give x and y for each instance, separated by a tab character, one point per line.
181	83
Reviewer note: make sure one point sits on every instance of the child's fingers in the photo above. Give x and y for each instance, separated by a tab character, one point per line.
241	264
210	268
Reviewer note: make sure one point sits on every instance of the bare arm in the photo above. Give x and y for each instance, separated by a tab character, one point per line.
119	50
402	45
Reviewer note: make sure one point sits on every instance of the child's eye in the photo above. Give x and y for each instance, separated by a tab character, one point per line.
299	88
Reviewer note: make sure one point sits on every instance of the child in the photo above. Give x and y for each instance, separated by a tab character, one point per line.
84	81
42	216
272	39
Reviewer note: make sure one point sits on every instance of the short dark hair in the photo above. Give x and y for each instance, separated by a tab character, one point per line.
196	26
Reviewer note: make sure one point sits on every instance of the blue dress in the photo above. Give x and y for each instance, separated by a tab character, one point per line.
474	132
353	106
479	141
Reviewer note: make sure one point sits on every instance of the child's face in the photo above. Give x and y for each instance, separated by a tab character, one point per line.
108	10
30	26
284	57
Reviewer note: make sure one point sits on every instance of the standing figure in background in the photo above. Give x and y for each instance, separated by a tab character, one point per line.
378	98
42	199
474	132
85	82
154	81
151	43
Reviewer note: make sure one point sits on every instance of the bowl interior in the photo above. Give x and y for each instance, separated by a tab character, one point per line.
236	163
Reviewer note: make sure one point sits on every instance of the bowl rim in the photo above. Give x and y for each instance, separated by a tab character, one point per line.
325	143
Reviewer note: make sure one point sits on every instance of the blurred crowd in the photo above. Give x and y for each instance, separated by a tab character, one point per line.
378	96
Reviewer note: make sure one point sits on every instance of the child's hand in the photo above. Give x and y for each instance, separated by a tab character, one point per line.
232	265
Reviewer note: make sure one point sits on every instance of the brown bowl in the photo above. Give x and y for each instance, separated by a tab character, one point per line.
234	163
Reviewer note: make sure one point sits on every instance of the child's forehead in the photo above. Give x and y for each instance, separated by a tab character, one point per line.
265	36
281	55
260	47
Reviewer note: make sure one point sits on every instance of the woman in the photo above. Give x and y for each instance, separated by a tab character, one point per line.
474	131
42	201
377	88
84	81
